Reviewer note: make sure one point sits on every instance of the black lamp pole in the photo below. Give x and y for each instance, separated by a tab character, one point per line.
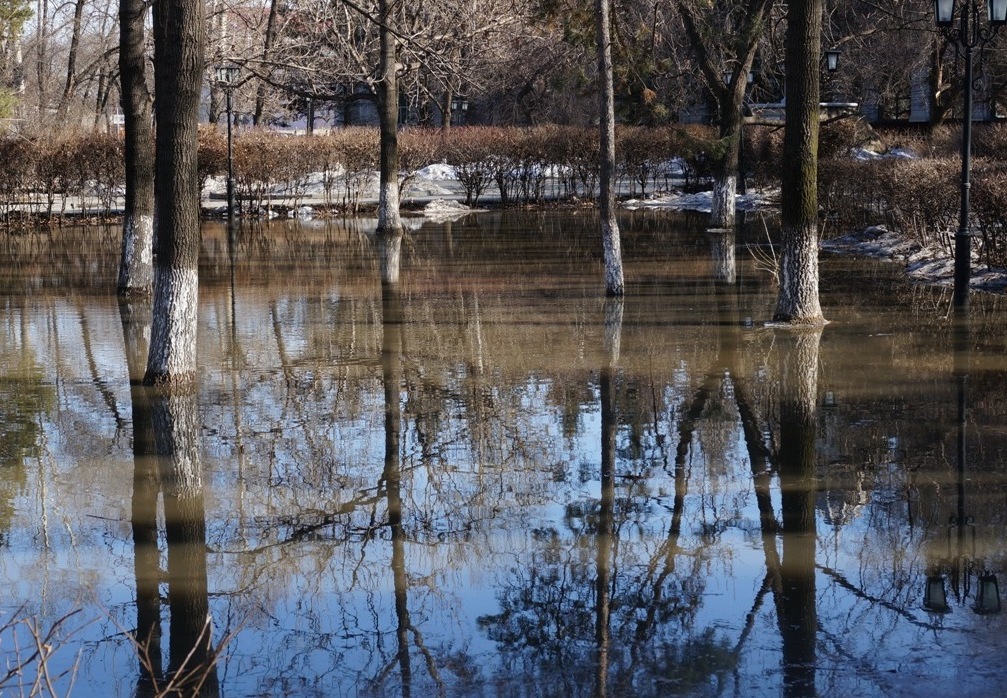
226	76
968	35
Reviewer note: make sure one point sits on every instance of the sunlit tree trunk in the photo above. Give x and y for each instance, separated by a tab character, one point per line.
797	301
388	113
136	262
179	37
611	244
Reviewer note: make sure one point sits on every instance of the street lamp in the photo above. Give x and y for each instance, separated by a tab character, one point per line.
832	60
968	35
460	105
227	75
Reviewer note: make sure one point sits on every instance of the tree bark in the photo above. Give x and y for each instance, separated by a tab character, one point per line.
611	243
71	60
136	263
389	222
267	51
797	301
179	38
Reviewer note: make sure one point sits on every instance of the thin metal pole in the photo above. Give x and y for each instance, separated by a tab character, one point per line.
963	238
230	162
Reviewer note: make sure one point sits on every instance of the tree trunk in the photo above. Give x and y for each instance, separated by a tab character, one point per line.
612	245
42	53
267	50
725	187
798	296
389	221
71	60
136	263
178	75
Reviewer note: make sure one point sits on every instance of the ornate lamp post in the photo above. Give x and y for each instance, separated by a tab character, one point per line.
959	22
227	75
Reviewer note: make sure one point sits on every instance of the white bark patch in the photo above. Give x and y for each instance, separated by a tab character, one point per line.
612	246
388	206
722	205
136	266
172	356
390	249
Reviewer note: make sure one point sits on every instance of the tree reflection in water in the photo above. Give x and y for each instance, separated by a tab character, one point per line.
166	452
493	497
795	601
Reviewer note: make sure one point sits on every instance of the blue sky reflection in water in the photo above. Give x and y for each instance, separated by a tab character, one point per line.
409	492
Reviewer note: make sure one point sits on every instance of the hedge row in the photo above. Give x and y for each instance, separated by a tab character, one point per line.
521	165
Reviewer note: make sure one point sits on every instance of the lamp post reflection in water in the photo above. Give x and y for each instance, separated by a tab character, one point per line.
961	562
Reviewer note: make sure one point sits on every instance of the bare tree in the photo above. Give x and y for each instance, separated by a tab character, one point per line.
724	37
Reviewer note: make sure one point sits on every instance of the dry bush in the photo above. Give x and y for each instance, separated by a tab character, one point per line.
920	196
841	137
638	157
990	141
764	154
418	147
989	208
469	152
100	159
255	156
211	156
359	150
697	146
16	175
295	166
52	168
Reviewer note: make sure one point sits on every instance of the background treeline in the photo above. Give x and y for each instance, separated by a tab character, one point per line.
46	176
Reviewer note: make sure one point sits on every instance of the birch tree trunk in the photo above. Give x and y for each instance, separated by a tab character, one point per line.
179	37
136	262
797	301
611	243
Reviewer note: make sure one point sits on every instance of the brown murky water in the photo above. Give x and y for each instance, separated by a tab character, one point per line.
489	480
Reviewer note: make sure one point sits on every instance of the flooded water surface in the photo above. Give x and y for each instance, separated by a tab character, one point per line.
485	479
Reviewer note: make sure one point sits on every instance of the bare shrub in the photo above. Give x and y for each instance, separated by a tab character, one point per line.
469	151
16	175
211	156
989	206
